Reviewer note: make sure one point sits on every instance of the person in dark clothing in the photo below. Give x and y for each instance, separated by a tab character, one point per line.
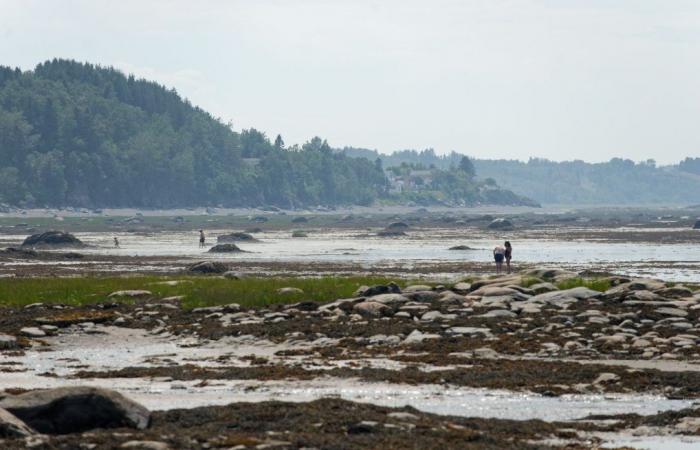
201	238
498	256
508	255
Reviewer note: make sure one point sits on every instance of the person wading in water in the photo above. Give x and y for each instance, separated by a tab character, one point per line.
201	238
508	255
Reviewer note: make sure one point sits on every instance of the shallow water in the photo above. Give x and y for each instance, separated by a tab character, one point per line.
119	348
675	262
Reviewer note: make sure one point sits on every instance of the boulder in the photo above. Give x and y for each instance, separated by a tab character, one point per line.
225	248
236	237
541	288
76	409
697	225
371	309
577	293
675	292
390	299
299	234
500	224
52	239
300	219
208	267
12	427
233	275
416	288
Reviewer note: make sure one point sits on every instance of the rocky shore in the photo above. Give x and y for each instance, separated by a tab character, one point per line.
541	332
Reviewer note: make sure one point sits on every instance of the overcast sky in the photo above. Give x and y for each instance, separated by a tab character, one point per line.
560	79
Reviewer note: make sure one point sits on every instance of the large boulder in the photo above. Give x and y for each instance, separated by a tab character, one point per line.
208	267
76	409
12	427
697	225
225	248
236	237
52	239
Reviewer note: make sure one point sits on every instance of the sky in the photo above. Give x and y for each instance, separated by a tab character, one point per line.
556	79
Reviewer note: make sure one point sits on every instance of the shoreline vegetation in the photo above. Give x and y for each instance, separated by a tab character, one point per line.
90	136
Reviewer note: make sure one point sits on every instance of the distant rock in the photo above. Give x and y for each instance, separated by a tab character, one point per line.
300	219
52	239
390	233
208	267
76	409
259	219
19	252
236	237
697	225
299	234
397	226
500	224
461	247
225	248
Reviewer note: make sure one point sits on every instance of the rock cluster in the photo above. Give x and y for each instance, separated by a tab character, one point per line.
52	239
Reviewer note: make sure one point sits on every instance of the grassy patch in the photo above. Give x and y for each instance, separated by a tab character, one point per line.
595	284
197	291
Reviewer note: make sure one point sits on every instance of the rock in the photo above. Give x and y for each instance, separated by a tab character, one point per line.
675	292
500	224
7	342
697	225
470	331
299	234
606	377
76	409
208	267
300	219
389	299
402	416
225	248
450	298
130	294
32	332
416	337
289	291
416	288
675	312
365	291
497	314
541	288
462	287
689	425
64	319
437	315
236	237
371	309
12	427
146	445
397	226
461	248
52	239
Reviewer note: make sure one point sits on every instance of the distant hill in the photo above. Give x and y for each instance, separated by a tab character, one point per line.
616	182
74	134
83	135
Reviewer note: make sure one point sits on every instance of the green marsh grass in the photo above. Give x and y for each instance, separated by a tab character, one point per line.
197	291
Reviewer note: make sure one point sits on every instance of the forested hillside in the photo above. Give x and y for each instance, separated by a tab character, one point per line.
616	182
82	135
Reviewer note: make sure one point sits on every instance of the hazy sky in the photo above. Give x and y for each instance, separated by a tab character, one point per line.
561	79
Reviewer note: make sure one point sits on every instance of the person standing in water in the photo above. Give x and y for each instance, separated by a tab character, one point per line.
508	255
499	255
201	238
116	242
